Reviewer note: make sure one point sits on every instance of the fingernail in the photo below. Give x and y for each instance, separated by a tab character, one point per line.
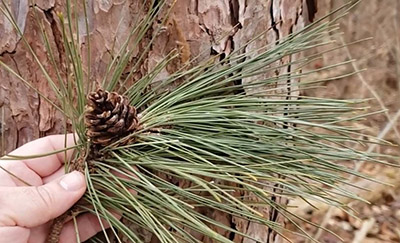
72	181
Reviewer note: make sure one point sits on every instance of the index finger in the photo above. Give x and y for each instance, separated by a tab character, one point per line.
47	165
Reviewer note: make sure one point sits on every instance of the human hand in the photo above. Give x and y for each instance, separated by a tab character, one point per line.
26	211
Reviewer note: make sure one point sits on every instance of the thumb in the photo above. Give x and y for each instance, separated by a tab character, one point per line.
33	206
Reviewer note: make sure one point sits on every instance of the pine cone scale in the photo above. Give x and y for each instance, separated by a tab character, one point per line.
106	114
99	128
116	109
112	120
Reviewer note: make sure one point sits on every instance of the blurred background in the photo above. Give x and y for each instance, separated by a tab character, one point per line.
376	24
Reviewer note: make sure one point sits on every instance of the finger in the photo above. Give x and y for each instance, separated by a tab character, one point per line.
14	234
17	173
129	175
39	233
45	166
33	206
59	173
88	225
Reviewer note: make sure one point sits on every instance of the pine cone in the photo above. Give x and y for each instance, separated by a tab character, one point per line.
109	117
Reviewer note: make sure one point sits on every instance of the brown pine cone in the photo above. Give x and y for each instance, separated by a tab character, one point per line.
109	117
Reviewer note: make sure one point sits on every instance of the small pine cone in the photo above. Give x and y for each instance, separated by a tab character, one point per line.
109	117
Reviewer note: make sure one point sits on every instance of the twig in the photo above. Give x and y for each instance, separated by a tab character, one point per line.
390	125
365	228
324	222
370	89
59	222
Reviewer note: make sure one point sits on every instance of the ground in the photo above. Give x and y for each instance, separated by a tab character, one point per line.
377	25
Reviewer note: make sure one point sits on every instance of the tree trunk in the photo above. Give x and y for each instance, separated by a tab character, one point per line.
199	28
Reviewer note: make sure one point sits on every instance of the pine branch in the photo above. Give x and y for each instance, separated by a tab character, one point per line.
209	143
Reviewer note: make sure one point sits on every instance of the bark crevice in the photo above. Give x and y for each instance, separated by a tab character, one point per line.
5	52
311	9
56	33
273	22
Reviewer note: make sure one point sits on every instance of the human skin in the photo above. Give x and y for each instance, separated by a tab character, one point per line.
26	212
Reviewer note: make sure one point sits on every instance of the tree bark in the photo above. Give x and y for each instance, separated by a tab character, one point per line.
199	28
